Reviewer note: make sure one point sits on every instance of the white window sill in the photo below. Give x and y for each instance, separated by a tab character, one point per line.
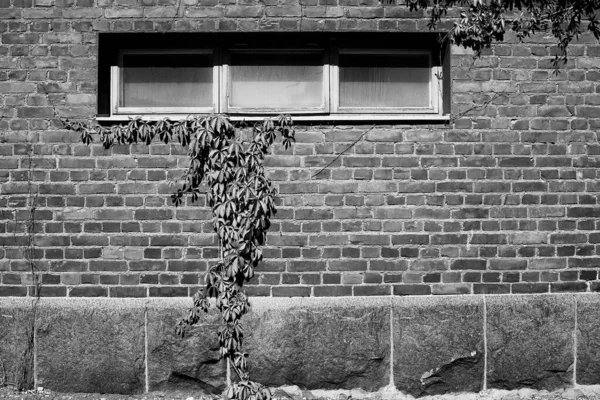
297	118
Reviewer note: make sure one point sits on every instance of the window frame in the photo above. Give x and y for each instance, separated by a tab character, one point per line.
116	91
438	110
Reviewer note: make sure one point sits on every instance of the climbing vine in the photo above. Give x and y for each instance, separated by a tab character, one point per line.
229	159
22	372
483	22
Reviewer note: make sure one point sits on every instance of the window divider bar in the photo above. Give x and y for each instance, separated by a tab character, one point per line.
436	89
326	81
224	82
334	79
217	54
114	88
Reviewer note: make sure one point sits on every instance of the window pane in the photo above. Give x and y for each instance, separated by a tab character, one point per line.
281	80
167	80
384	80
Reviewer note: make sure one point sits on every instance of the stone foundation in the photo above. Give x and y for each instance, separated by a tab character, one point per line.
421	345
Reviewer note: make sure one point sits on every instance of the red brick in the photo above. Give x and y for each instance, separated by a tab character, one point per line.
379	290
49	291
306	265
569	287
88	291
468	264
20	38
147	265
154	214
372	277
127	291
490	288
69	266
563	238
519	288
488	239
170	291
326	291
410	290
507	264
291	291
451	289
18	291
589	275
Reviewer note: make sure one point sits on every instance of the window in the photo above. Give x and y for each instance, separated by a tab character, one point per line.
283	81
309	76
386	81
164	82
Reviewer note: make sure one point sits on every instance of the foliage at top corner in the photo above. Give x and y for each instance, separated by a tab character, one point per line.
227	158
483	22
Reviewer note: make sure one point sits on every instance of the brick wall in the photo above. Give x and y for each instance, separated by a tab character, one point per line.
503	199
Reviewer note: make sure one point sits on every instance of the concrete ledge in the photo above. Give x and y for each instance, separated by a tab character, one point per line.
315	343
91	345
530	341
16	350
337	343
422	345
588	339
438	344
189	363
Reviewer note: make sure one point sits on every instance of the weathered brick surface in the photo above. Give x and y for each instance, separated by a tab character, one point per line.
503	199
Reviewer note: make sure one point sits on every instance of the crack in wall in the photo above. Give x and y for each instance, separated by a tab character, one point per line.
575	346
485	350
392	384
146	373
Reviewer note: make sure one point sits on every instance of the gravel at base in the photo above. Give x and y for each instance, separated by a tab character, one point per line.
582	393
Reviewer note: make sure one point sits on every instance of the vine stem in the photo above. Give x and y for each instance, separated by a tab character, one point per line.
228	377
235	369
229	371
32	200
4	380
343	152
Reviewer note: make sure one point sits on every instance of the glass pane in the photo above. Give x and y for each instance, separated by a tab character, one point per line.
167	80
384	80
276	80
